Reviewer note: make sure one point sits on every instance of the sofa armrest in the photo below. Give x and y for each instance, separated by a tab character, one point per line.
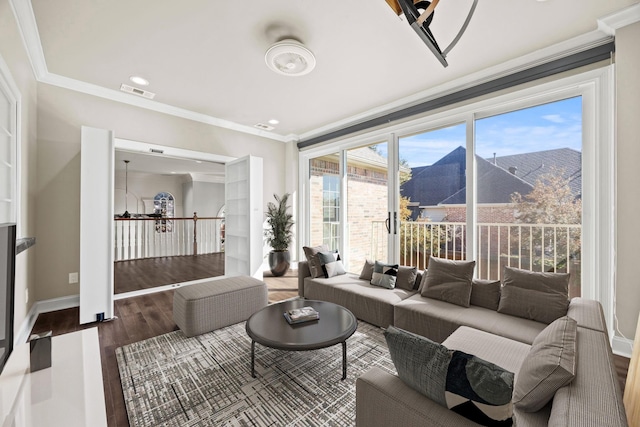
383	399
303	271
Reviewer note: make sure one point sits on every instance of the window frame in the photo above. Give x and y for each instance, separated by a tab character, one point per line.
596	87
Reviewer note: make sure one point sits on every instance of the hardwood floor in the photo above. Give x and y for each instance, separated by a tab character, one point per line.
146	316
152	272
137	318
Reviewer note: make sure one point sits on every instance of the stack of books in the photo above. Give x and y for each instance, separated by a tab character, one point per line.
300	315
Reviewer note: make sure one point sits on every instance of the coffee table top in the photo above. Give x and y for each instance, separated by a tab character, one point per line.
269	327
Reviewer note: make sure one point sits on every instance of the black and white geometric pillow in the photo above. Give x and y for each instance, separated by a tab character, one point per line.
384	275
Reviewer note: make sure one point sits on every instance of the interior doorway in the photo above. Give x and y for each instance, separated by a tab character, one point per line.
166	219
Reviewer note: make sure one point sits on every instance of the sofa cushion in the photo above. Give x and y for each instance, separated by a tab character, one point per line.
384	275
367	270
470	386
449	280
485	293
538	296
312	257
550	364
437	320
331	264
407	277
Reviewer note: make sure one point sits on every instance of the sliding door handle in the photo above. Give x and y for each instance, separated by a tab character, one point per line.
387	222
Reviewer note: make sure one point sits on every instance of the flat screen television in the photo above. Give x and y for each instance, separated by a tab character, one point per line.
7	289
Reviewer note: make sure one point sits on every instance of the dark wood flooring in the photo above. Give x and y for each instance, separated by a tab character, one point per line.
153	272
146	316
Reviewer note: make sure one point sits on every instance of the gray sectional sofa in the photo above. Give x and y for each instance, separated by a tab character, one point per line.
593	398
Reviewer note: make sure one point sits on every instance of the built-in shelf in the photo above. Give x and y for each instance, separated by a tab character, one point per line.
24	244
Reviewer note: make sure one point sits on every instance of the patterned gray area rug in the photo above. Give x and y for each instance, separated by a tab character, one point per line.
172	380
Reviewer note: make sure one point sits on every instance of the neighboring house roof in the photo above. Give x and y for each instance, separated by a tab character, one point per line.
531	166
444	181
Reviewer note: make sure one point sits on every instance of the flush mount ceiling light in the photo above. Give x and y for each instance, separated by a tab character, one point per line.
420	15
290	58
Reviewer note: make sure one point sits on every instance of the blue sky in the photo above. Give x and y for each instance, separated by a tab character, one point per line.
544	127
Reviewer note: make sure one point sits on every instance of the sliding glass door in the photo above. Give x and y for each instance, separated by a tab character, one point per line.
504	189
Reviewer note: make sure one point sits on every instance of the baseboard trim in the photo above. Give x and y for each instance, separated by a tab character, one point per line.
43	307
622	346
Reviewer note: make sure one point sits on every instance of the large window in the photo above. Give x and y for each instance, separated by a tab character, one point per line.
529	186
517	181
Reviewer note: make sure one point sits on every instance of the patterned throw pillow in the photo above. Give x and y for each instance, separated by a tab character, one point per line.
312	257
472	387
384	275
331	264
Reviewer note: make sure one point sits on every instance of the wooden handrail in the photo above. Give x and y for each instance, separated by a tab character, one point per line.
167	218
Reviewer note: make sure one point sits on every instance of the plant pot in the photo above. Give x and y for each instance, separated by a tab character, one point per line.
279	262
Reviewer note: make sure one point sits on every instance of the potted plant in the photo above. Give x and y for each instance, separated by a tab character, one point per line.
279	234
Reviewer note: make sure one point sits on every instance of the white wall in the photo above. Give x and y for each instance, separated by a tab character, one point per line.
627	177
205	198
143	186
61	112
14	55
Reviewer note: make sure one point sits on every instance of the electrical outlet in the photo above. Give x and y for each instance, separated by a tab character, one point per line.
73	277
26	295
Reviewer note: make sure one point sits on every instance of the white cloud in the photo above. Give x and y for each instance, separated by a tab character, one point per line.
554	118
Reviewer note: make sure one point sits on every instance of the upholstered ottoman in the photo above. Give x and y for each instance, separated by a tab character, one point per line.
211	305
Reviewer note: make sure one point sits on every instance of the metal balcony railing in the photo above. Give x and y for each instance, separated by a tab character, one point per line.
136	238
535	247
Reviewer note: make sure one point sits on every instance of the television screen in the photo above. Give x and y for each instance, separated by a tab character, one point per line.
7	289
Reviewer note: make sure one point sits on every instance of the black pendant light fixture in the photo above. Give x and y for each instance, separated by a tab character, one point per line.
126	213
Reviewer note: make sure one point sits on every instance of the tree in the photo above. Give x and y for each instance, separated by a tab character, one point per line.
550	204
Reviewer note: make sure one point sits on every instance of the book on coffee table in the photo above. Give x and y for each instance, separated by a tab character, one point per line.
299	315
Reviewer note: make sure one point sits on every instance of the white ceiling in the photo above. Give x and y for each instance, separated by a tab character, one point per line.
207	56
159	164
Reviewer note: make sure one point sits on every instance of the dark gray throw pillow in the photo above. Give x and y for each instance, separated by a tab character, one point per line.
472	387
367	270
485	293
406	277
539	296
449	280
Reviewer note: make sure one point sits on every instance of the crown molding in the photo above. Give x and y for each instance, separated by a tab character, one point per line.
627	16
28	28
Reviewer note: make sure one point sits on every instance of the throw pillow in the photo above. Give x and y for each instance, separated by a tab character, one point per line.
331	264
550	364
485	293
312	257
449	281
472	387
384	275
543	297
367	270
406	277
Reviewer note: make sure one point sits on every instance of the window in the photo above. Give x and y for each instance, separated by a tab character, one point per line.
331	211
486	219
163	206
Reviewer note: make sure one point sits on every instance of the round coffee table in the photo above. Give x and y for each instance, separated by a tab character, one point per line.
269	328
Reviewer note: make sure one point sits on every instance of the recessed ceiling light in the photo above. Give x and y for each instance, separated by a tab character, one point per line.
274	122
139	80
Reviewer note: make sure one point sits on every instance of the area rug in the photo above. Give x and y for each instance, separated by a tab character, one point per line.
172	380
